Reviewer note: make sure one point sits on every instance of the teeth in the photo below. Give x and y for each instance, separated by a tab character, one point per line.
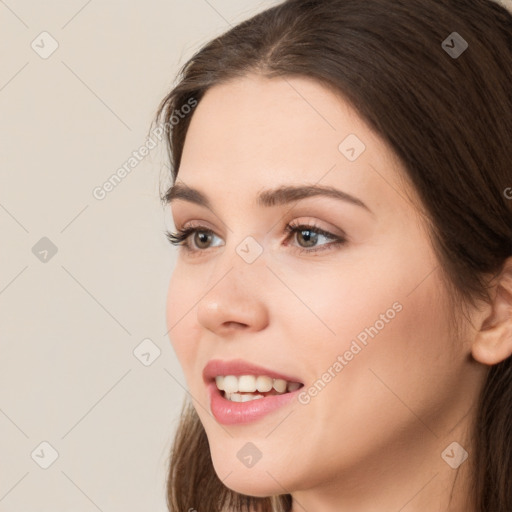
280	385
230	384
237	397
264	383
247	383
233	385
293	386
220	382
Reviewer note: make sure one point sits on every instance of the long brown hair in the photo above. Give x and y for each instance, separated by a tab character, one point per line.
448	118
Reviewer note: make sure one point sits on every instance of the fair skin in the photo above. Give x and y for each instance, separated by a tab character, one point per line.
371	440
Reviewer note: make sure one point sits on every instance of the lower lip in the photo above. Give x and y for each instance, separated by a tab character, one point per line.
233	413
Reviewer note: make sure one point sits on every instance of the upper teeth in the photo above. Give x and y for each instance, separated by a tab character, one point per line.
252	383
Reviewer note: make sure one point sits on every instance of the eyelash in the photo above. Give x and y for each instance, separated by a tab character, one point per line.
182	235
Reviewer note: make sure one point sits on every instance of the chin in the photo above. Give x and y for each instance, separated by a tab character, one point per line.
256	481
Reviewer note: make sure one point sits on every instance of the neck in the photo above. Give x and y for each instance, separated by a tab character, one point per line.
413	477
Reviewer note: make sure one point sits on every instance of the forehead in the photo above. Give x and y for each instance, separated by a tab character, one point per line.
254	131
273	119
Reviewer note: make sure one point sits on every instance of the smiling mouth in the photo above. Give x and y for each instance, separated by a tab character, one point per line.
244	388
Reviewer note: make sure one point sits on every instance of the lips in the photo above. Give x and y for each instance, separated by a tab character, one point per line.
246	404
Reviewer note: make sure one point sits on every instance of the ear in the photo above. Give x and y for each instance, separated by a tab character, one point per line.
493	342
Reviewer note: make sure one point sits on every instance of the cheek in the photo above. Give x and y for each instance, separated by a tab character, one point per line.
390	289
396	349
183	331
333	304
390	325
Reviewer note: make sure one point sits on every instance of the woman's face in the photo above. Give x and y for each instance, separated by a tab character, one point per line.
353	308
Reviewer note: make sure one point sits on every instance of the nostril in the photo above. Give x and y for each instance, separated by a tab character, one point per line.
234	325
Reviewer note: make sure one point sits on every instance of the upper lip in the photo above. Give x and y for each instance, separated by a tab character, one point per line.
216	367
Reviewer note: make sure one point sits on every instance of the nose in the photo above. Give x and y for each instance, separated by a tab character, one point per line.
233	303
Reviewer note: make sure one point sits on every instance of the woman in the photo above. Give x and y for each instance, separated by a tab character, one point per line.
341	304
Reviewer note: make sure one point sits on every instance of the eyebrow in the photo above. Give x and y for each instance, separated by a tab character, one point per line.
272	197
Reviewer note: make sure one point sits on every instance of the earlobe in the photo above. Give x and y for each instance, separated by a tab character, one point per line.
493	345
493	342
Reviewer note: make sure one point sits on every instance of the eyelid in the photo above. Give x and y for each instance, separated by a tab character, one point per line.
312	223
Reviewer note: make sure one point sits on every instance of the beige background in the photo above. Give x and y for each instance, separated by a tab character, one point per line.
69	324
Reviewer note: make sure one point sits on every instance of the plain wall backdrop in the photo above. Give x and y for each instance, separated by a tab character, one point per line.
90	388
86	424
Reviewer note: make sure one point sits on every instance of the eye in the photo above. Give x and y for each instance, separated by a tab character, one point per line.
201	238
309	238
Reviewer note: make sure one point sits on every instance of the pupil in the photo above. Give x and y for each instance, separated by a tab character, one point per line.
202	238
309	237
